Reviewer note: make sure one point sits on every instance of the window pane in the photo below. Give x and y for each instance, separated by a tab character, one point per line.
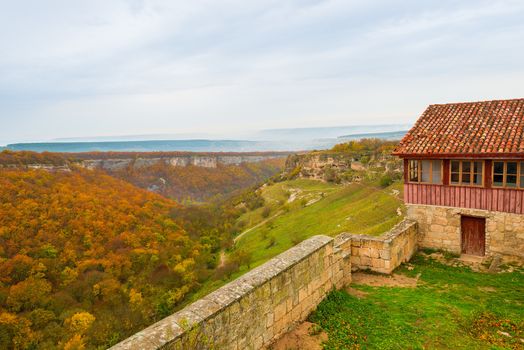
437	166
498	167
521	168
466	178
511	181
466	167
522	182
478	167
498	180
477	179
454	178
455	166
413	170
424	172
512	168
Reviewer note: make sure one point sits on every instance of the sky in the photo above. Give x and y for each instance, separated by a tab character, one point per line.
75	68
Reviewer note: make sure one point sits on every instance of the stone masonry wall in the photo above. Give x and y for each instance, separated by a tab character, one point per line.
255	309
439	227
385	253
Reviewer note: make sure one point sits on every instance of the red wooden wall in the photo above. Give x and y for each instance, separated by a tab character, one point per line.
494	199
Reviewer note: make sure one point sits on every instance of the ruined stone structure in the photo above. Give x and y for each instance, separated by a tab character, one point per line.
270	300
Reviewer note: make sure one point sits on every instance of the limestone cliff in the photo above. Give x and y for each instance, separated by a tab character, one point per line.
340	166
210	160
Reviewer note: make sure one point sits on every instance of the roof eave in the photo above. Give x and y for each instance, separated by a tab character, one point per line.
502	155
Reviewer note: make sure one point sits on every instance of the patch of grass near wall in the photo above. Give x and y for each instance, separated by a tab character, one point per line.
451	308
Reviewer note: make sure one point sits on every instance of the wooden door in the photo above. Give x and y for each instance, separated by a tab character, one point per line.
473	235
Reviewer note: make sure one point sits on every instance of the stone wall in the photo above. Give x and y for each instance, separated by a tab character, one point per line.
384	253
254	310
439	227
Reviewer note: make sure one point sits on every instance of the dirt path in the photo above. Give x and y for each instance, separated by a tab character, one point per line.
373	280
256	226
222	260
301	338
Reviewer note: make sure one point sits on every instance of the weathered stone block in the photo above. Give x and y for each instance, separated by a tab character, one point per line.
365	261
280	311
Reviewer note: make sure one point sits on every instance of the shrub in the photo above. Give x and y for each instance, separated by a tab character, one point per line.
330	175
295	240
242	257
271	243
266	211
226	270
385	181
294	173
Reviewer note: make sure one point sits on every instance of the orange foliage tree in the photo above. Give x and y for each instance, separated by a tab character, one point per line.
87	259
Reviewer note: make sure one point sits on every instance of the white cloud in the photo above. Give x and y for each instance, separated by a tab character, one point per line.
72	68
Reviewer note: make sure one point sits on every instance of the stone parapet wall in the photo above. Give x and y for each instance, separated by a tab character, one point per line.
385	253
255	309
440	228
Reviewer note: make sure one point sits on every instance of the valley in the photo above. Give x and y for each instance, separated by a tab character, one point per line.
90	255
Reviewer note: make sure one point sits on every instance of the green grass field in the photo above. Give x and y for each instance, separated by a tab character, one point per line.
451	308
318	208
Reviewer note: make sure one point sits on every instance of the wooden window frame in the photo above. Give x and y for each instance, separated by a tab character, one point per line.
471	175
410	171
519	174
419	171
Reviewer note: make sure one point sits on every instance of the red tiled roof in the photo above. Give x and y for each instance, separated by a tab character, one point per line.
488	128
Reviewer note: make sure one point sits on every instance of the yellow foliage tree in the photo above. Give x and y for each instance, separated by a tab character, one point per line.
80	322
75	343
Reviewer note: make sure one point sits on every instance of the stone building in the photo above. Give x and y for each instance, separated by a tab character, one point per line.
464	177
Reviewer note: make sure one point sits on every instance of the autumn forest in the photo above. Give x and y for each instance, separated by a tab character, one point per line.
88	258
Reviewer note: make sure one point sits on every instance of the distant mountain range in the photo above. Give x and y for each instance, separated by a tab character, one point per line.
307	134
391	135
299	139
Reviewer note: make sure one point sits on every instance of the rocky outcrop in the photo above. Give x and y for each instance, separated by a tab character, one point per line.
338	166
315	165
200	160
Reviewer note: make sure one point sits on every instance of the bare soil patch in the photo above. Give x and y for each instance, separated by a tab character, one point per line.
356	292
384	280
300	338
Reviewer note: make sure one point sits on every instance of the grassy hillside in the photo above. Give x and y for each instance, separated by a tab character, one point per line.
294	210
299	209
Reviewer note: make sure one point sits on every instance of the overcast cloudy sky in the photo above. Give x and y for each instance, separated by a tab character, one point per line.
98	67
